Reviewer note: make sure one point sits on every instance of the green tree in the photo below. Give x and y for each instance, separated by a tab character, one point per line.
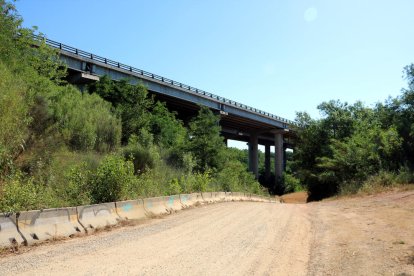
205	143
131	102
167	130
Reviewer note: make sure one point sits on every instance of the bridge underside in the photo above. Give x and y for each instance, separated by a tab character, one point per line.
236	124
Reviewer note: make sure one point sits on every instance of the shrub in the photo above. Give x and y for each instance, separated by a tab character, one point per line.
291	183
86	121
141	152
112	176
174	187
405	176
13	117
18	196
202	182
77	190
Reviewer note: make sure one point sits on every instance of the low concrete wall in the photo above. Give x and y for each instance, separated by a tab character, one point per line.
130	209
155	206
9	235
38	225
208	197
186	200
236	196
173	203
219	196
197	198
48	224
97	216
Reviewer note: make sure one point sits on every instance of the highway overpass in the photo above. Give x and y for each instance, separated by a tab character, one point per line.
238	121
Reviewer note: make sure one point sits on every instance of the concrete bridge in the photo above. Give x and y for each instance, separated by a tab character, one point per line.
238	121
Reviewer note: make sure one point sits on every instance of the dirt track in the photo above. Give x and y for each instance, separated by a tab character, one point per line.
366	236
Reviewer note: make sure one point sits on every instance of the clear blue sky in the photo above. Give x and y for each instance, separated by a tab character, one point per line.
278	56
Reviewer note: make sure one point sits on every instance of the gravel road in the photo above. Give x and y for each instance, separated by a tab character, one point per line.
358	236
221	239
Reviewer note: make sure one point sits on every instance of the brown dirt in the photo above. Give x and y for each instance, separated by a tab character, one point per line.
296	198
371	235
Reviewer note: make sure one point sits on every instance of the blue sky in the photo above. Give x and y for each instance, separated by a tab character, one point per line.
278	56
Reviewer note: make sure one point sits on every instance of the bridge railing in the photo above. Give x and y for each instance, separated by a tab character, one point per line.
69	49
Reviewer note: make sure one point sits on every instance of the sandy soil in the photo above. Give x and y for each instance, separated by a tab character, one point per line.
371	235
360	236
298	197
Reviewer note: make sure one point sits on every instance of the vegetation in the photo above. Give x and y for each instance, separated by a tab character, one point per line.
61	147
353	147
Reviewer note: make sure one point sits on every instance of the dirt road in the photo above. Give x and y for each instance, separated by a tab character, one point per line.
343	237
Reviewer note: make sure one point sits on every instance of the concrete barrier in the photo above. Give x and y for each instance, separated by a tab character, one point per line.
247	197
9	235
207	197
186	200
130	209
236	196
229	196
97	216
173	203
221	196
197	198
193	199
48	224
155	206
218	196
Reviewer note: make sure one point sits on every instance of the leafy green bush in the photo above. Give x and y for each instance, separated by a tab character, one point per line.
86	121
14	119
131	103
404	176
291	183
202	182
77	189
111	178
174	187
18	196
141	152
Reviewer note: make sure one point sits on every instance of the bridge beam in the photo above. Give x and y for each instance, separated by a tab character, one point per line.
253	154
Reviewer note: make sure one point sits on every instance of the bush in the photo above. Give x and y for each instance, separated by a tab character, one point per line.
404	176
141	152
18	196
202	182
14	117
291	183
86	121
112	176
174	187
77	190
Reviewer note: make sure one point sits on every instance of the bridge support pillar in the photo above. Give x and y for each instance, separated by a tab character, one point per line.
267	162
279	162
253	155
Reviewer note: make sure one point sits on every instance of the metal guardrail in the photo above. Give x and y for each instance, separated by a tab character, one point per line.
66	48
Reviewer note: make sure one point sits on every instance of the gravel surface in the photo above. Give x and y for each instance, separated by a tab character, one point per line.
359	236
221	239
